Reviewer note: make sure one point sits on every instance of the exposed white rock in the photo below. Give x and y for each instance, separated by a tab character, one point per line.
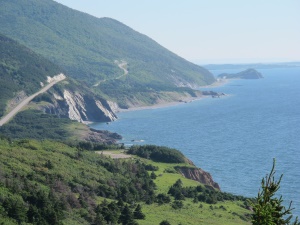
75	103
57	97
58	77
82	108
114	106
108	113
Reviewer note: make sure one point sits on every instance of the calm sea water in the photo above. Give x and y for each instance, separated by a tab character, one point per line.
236	137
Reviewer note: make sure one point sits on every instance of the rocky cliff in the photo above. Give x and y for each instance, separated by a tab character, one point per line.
79	106
199	175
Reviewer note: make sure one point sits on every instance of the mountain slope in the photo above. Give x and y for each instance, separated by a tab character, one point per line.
92	49
21	71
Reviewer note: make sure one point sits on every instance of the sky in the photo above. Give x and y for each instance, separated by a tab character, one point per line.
210	31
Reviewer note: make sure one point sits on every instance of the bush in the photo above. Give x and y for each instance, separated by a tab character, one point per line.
177	204
164	222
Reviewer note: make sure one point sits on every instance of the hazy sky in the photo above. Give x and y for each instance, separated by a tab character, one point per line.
210	31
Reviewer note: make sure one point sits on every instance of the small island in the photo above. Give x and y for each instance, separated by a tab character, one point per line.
245	74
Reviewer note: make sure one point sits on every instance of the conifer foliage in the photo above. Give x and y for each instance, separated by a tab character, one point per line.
268	209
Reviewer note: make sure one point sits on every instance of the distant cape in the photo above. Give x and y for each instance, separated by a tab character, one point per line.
245	74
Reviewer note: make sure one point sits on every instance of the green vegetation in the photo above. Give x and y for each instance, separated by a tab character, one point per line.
37	125
268	209
47	182
91	49
245	74
202	194
21	70
42	181
158	153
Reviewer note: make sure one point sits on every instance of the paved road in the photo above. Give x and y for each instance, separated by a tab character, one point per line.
12	113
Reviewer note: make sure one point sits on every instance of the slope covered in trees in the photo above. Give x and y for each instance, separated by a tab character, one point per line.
21	70
93	49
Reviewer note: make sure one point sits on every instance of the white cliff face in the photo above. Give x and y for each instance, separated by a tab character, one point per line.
81	108
114	106
107	112
76	106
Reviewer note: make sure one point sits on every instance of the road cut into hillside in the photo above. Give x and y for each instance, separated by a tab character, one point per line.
12	113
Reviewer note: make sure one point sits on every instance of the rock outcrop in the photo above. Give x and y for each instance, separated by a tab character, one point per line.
199	175
101	136
80	107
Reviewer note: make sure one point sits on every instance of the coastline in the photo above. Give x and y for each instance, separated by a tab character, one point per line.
217	83
163	104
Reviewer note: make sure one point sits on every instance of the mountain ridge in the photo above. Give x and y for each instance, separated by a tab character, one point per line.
86	47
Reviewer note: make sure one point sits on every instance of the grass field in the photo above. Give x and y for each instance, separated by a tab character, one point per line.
225	213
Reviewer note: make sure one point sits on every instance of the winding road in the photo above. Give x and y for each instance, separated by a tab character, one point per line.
122	65
12	113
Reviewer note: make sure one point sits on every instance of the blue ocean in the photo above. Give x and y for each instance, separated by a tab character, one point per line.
234	137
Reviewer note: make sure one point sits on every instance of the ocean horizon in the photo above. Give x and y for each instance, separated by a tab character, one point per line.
235	137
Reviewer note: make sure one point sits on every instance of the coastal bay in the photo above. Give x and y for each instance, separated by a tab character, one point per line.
236	137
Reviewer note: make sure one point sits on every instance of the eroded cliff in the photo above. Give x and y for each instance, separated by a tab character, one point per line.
199	175
79	106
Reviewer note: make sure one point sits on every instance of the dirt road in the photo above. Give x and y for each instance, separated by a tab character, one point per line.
12	113
114	155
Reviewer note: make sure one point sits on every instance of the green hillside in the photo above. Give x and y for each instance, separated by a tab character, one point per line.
47	182
21	70
98	50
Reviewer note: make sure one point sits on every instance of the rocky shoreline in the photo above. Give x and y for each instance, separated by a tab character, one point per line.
101	136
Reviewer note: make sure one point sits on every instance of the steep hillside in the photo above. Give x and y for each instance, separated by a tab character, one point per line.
22	71
98	51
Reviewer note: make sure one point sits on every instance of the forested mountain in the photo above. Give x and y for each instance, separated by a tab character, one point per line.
21	70
100	51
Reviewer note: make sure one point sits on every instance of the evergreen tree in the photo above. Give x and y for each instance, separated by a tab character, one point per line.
126	217
99	220
268	209
138	214
153	175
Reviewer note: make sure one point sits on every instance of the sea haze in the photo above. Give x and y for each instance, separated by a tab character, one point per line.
235	137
